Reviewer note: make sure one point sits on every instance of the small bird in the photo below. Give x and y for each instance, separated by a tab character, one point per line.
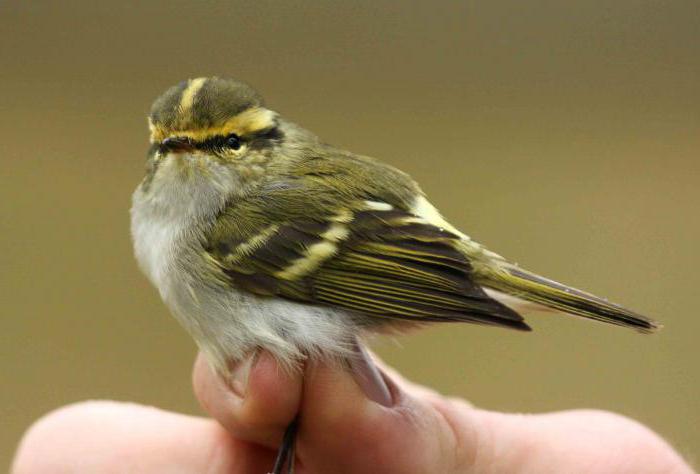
260	236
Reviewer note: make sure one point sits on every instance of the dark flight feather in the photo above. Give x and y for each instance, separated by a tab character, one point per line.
388	264
534	288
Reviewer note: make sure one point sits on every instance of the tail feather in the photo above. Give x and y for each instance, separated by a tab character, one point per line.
530	287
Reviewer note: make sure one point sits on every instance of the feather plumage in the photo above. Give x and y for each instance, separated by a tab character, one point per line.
380	263
288	243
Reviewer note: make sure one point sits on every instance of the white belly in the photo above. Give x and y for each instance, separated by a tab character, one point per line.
226	323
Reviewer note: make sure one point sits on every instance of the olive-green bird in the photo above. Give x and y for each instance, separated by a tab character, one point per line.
259	236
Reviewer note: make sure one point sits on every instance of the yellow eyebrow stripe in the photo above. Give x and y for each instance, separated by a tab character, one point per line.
249	121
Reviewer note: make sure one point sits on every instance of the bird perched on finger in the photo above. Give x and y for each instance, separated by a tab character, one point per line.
258	235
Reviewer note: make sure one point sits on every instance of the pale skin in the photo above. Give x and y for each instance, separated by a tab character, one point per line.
342	431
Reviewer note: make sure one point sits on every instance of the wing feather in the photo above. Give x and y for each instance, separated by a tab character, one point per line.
380	262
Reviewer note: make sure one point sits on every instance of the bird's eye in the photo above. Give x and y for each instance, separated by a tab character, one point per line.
233	141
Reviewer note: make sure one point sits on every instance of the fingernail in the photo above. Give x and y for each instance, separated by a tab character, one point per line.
240	374
369	378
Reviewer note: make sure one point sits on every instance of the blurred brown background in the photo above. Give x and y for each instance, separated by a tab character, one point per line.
565	135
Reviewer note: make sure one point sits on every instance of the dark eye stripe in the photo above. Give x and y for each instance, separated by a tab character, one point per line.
177	143
220	142
265	138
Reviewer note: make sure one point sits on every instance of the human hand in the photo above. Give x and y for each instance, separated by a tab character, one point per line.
341	431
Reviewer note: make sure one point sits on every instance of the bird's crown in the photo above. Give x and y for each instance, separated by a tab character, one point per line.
208	106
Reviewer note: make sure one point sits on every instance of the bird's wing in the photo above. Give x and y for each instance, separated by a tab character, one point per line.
367	257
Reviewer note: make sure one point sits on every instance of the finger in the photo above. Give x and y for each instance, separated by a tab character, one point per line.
551	442
341	430
575	441
111	437
260	406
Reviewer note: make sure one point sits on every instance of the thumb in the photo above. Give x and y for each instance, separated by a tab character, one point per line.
342	430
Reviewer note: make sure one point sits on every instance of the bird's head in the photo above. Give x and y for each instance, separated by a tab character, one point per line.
207	124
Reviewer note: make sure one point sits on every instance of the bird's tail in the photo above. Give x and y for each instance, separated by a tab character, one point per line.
533	288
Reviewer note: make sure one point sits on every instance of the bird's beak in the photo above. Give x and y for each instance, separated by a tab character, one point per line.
177	144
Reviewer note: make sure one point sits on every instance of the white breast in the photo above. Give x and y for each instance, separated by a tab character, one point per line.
155	247
168	224
175	211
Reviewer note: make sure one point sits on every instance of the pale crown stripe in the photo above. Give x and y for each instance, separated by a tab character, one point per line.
188	96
